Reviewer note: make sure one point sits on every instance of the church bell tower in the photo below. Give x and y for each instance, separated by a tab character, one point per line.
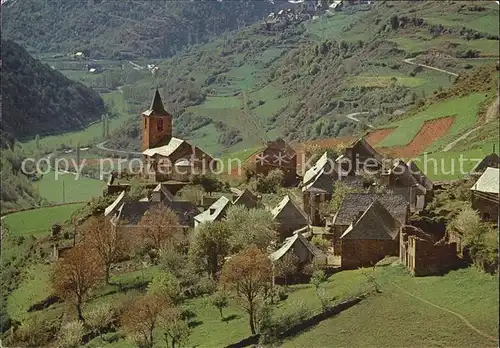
156	124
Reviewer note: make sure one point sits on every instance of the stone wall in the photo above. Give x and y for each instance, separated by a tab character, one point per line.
357	253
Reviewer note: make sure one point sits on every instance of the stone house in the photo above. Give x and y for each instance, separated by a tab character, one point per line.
305	251
246	198
485	195
492	160
317	187
422	255
278	155
360	157
355	204
408	180
370	238
216	212
166	157
289	218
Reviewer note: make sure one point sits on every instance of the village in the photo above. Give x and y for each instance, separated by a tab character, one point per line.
380	200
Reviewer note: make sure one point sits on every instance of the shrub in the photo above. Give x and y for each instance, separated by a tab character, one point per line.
270	183
320	243
71	334
100	318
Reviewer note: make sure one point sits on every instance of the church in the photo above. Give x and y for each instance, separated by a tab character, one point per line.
167	158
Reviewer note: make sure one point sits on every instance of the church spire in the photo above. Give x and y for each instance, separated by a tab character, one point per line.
157	103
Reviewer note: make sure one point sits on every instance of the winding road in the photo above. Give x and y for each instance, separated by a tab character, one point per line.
353	117
411	61
101	146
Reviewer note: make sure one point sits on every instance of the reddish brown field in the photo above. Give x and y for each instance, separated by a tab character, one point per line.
375	137
430	132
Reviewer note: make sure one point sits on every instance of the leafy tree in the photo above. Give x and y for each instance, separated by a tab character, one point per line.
321	243
270	183
176	328
287	266
76	275
318	277
160	226
209	183
394	22
249	274
250	227
165	285
210	245
136	190
103	239
192	193
340	191
220	300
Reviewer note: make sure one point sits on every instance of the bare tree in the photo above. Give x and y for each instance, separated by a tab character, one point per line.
103	239
160	226
75	275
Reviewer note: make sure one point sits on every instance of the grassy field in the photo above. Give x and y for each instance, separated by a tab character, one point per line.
34	287
80	190
446	165
38	222
396	319
465	110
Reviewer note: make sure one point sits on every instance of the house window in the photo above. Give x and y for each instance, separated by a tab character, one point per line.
145	123
159	124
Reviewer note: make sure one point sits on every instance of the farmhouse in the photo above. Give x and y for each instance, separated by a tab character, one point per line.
422	255
408	180
317	187
246	198
360	157
278	155
166	157
216	212
305	251
492	160
355	204
370	238
485	195
289	217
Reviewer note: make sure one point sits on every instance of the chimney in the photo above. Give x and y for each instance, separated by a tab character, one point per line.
212	211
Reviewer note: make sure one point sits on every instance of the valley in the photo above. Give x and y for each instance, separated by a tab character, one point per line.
410	80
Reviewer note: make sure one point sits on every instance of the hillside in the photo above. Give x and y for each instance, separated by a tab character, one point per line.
38	100
301	79
108	28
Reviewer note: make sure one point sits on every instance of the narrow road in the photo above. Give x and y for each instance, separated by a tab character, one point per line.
411	61
491	114
353	117
101	146
466	322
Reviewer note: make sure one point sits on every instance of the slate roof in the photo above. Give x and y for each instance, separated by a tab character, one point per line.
287	201
215	211
491	160
322	183
488	181
156	108
376	223
133	211
297	238
115	205
165	193
165	150
246	198
312	172
421	177
355	203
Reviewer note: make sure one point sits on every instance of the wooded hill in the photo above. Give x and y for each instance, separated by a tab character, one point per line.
39	100
109	28
302	79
